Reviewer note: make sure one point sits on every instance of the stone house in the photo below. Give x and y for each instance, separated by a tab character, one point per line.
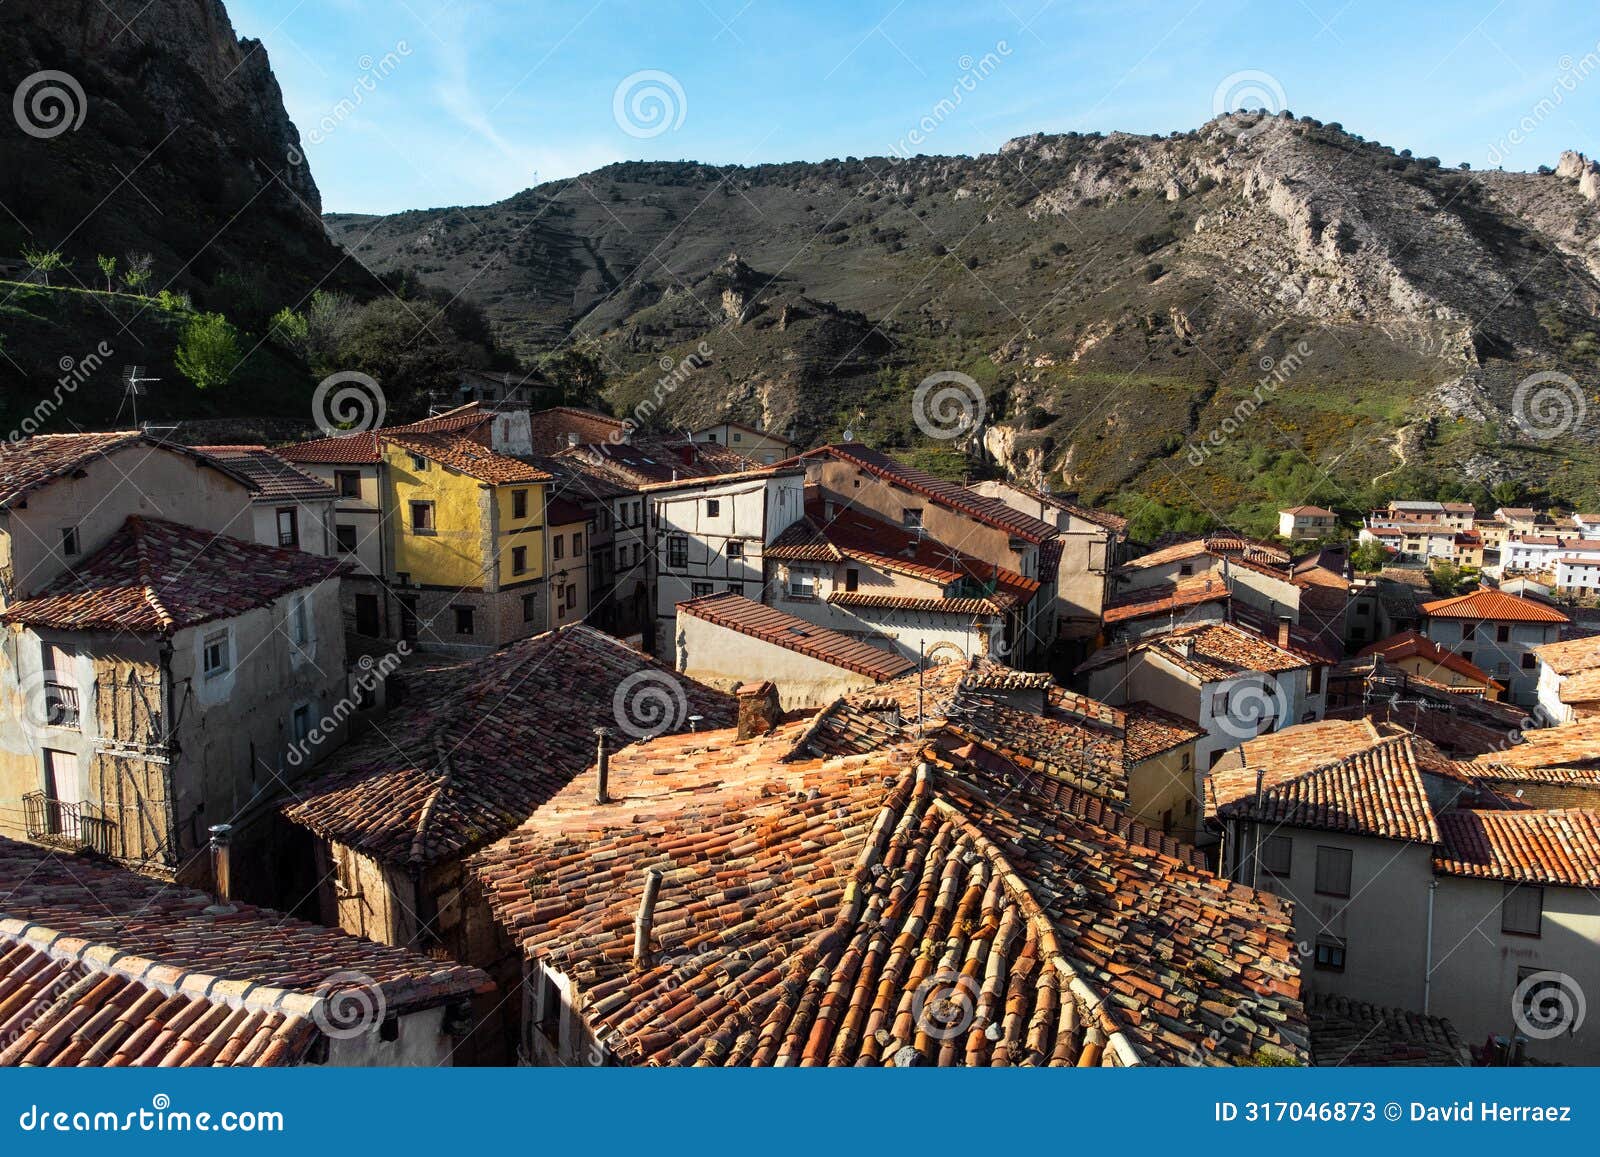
1568	687
1304	523
292	509
1498	633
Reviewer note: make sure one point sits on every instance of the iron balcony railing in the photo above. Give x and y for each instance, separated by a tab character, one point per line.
66	824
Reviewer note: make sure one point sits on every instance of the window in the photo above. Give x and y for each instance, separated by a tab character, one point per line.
1166	822
699	590
736	588
348	483
1527	661
1219	704
1277	855
519	504
422	518
60	666
622	557
299	620
1522	910
69	540
1330	954
911	519
802	584
1469	631
577	544
519	560
301	723
1502	633
572	596
463	620
530	608
1333	871
418	462
1314	681
288	526
735	548
367	615
852	579
216	658
1186	568
345	538
1186	761
713	508
558	546
636	549
677	552
738	437
1467	655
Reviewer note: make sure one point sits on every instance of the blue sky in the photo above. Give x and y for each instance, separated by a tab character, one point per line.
426	103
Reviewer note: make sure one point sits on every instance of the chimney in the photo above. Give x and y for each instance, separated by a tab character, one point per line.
1184	645
603	766
221	868
644	922
759	710
1283	630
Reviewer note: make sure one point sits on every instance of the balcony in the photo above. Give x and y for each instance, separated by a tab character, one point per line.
74	826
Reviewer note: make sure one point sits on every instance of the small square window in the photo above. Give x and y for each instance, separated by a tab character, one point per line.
1329	954
1469	631
1333	871
911	519
713	508
735	548
1528	661
418	462
422	518
1502	633
69	541
1522	910
345	536
464	619
348	483
519	560
217	658
700	589
1186	568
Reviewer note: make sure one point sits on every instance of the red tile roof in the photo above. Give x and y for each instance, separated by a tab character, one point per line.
1559	846
1194	591
64	904
666	462
550	428
468	456
1211	652
159	577
970	608
274	477
1312	511
1569	745
1411	644
1495	606
1352	1033
737	613
951	495
359	449
1570	656
29	463
863	911
476	749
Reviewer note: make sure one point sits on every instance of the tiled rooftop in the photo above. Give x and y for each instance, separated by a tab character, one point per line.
551	428
159	577
1412	644
29	463
468	456
1166	598
476	749
859	911
1493	606
1210	652
1569	745
359	449
1535	846
274	477
1570	656
737	613
1351	1033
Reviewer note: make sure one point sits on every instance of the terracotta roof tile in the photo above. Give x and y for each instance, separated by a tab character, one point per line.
1538	846
479	747
1412	644
1570	656
1569	745
1494	606
1353	1033
1210	652
274	477
551	428
737	613
157	576
28	463
468	456
359	449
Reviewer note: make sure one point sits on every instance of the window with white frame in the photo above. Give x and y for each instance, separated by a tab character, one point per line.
217	655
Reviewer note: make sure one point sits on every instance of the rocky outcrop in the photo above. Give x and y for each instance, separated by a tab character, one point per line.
1577	167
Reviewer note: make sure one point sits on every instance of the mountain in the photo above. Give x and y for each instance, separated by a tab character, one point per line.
1265	310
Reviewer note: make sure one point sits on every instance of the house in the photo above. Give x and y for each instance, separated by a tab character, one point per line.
1418	655
909	863
641	460
760	446
709	535
1456	515
1568	686
855	476
470	571
502	388
1468	550
292	508
1259	574
1202	598
1093	545
1497	633
1570	745
555	429
174	679
1326	607
1518	519
1304	523
1413	542
477	750
1231	682
63	495
725	640
1460	721
101	967
846	569
568	527
618	600
1416	883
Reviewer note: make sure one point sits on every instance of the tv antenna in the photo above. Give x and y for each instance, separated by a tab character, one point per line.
134	387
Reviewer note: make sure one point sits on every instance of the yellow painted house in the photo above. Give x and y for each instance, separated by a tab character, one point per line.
467	525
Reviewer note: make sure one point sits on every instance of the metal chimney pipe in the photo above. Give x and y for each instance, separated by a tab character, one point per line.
646	919
603	766
221	862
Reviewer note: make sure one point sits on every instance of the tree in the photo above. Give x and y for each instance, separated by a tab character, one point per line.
138	273
1369	557
1506	493
289	330
1447	578
108	266
43	261
209	351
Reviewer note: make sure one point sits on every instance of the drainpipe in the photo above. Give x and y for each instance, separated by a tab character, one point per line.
602	766
1427	975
